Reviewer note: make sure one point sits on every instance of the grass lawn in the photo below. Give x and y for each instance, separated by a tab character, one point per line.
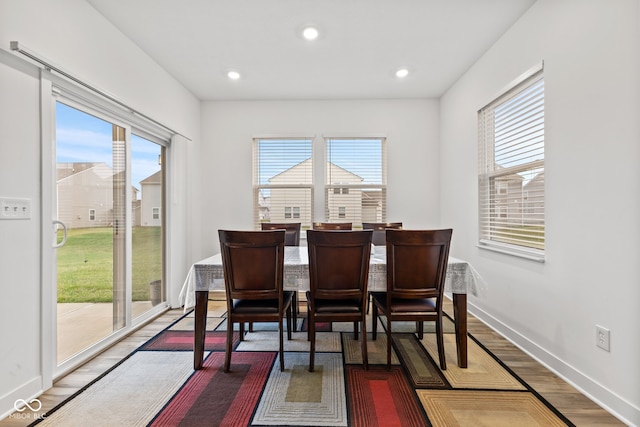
531	236
85	264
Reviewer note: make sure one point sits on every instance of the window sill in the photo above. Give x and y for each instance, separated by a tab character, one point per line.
530	254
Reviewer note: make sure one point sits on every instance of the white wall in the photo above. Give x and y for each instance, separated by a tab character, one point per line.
73	35
225	184
590	50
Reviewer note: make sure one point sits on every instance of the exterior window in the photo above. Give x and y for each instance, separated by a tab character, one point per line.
292	212
356	178
283	180
92	214
155	213
511	188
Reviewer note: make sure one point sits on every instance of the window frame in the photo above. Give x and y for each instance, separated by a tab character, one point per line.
494	205
294	211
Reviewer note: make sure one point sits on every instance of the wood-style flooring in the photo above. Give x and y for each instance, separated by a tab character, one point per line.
575	406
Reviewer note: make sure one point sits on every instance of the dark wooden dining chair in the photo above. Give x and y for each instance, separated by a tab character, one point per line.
332	226
338	278
292	238
253	263
416	272
292	230
380	231
379	237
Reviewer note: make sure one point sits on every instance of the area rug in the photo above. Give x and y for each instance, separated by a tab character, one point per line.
302	398
183	340
381	397
487	408
129	395
483	370
213	397
157	386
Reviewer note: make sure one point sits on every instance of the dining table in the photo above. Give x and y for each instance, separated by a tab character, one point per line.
207	276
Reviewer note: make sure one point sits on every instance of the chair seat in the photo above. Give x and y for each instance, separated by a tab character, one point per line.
337	306
399	305
267	306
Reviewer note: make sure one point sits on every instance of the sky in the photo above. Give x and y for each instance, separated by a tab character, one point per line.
81	137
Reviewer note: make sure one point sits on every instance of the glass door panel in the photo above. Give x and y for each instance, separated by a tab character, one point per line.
91	202
147	177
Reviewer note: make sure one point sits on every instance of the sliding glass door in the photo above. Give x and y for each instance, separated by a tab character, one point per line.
109	206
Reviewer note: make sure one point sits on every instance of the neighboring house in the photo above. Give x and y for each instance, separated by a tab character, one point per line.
533	197
291	204
508	197
372	205
517	202
151	200
85	194
264	203
343	204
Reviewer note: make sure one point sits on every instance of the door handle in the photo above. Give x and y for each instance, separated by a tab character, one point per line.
64	237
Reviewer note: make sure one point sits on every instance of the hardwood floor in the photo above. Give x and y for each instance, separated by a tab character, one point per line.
575	406
579	409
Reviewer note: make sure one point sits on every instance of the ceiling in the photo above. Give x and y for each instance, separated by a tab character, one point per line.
361	44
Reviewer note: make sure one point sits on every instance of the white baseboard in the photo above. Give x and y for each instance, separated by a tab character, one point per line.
19	397
622	409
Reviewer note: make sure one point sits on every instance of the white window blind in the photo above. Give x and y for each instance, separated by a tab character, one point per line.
283	181
511	184
356	178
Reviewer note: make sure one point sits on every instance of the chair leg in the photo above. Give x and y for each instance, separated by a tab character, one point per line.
420	326
365	356
294	305
355	331
388	341
289	316
241	330
250	326
440	338
280	325
312	344
308	322
374	323
227	356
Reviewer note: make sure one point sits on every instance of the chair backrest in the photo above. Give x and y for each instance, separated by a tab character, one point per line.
332	226
292	231
253	263
380	230
417	263
338	263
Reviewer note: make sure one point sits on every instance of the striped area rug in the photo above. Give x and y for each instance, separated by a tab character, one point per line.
157	386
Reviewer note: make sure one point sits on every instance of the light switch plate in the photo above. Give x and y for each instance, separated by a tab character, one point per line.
11	208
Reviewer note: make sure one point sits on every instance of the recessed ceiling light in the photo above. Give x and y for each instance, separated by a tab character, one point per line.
310	33
402	73
233	75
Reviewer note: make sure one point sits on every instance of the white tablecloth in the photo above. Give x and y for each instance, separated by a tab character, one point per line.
208	275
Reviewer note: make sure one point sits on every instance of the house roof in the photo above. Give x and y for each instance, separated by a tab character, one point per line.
156	178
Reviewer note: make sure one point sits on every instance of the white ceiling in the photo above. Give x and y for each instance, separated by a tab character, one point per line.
361	44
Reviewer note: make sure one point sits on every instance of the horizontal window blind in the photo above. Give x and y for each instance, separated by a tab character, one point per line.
283	181
511	185
356	178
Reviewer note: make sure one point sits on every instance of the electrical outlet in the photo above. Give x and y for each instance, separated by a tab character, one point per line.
603	336
15	208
